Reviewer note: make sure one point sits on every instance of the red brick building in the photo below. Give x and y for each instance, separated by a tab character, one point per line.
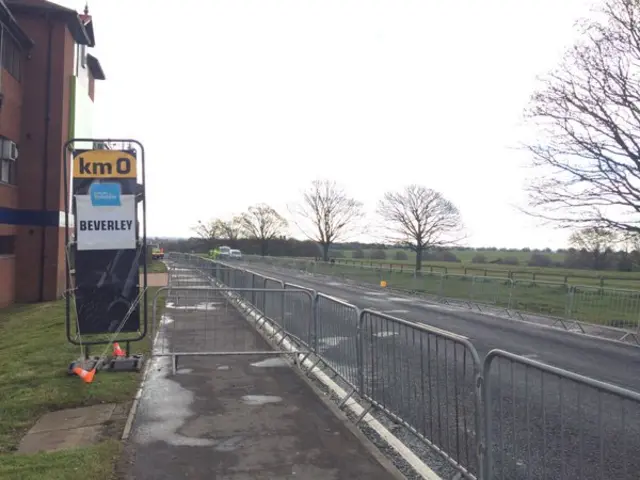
47	84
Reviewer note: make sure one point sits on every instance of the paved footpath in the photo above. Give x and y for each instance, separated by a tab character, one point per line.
238	417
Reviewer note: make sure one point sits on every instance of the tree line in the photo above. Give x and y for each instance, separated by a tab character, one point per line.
417	218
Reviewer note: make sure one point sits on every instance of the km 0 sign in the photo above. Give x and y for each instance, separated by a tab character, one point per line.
104	164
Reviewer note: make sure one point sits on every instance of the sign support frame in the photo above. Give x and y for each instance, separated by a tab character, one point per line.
67	149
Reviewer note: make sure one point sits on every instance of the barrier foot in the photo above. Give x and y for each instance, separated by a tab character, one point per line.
131	363
364	414
346	398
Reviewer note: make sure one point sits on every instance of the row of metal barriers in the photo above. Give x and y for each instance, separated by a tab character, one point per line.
505	416
568	306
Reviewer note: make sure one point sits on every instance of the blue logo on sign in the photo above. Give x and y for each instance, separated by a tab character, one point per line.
105	194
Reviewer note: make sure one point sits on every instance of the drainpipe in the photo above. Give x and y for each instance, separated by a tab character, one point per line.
1	50
45	155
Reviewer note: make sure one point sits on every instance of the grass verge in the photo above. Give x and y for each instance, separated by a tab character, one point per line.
34	355
588	304
94	462
156	266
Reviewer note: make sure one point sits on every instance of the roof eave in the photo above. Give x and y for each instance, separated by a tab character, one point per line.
95	68
14	28
69	16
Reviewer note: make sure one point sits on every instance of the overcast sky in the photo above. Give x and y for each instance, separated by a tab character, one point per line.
239	102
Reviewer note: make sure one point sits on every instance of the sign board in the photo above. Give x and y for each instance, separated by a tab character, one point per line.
104	164
109	227
107	253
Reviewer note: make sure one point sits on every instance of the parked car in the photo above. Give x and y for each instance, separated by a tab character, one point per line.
236	254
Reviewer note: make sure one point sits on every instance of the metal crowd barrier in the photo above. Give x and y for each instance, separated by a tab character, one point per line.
488	420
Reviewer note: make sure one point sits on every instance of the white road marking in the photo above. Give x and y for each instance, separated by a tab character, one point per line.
332	341
396	311
402	299
385	334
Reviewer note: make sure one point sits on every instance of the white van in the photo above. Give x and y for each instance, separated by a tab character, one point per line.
225	252
237	254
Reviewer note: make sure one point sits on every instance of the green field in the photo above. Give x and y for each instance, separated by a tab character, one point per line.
588	303
35	354
465	256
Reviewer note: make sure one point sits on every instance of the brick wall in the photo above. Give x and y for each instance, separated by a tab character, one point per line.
7	275
33	155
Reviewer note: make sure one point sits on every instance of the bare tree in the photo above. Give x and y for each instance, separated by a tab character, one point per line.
231	229
589	116
420	219
598	242
209	231
631	242
263	223
218	229
330	213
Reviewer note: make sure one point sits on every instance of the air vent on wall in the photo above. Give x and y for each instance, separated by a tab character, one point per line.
8	149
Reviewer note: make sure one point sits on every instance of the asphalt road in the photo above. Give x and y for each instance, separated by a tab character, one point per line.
542	427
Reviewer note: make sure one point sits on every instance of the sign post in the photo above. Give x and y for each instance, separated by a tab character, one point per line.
107	248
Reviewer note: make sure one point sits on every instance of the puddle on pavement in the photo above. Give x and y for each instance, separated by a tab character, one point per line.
271	362
229	445
198	306
165	406
260	399
223	367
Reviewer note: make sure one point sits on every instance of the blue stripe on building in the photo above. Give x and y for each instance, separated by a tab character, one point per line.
36	218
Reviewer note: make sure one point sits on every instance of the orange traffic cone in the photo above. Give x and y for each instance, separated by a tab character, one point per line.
86	376
117	351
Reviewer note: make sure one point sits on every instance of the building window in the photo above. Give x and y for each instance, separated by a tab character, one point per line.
8	171
11	56
7	244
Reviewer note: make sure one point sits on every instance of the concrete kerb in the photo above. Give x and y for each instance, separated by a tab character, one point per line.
346	401
136	400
